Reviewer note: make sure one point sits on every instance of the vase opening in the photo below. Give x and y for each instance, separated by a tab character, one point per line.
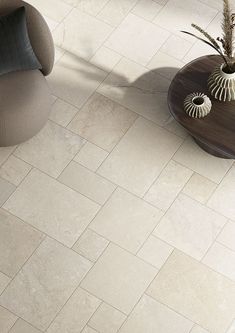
198	100
228	69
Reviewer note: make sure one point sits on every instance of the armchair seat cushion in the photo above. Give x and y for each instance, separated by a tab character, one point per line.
25	103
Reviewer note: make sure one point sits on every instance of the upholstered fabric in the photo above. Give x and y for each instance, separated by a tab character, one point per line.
39	33
16	52
25	103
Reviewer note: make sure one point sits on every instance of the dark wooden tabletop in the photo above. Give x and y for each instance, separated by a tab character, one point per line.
217	129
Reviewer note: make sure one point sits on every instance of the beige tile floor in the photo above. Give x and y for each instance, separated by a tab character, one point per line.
112	220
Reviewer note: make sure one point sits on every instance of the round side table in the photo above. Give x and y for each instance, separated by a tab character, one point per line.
214	133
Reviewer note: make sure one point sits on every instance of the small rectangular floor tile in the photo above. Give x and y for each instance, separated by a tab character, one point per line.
195	291
231	328
106	319
7	320
168	185
91	156
119	278
22	326
87	183
190	226
193	157
52	207
62	113
5	152
18	240
4	280
76	313
90	245
92	7
6	189
221	259
115	11
45	283
14	170
147	9
139	159
155	251
198	329
223	198
153	317
133	39
51	149
199	188
102	121
227	236
126	220
88	329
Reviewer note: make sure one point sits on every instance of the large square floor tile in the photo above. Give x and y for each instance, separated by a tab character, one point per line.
81	34
140	156
75	80
139	89
190	226
223	198
76	313
45	283
119	278
52	207
102	122
17	242
221	259
134	39
51	150
153	317
126	220
195	291
193	157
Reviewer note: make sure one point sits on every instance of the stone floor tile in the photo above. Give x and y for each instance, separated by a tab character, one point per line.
119	278
91	156
76	313
190	226
45	283
91	245
51	149
126	220
138	160
52	207
106	319
195	291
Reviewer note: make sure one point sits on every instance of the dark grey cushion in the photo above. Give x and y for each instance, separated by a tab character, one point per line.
16	52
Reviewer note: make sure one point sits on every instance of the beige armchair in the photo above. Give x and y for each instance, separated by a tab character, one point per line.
25	98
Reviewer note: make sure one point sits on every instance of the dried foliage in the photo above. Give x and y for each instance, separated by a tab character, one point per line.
223	45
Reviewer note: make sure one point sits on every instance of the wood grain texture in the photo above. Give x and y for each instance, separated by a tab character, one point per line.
216	132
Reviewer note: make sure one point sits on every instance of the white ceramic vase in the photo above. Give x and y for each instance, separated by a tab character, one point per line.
197	105
222	85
